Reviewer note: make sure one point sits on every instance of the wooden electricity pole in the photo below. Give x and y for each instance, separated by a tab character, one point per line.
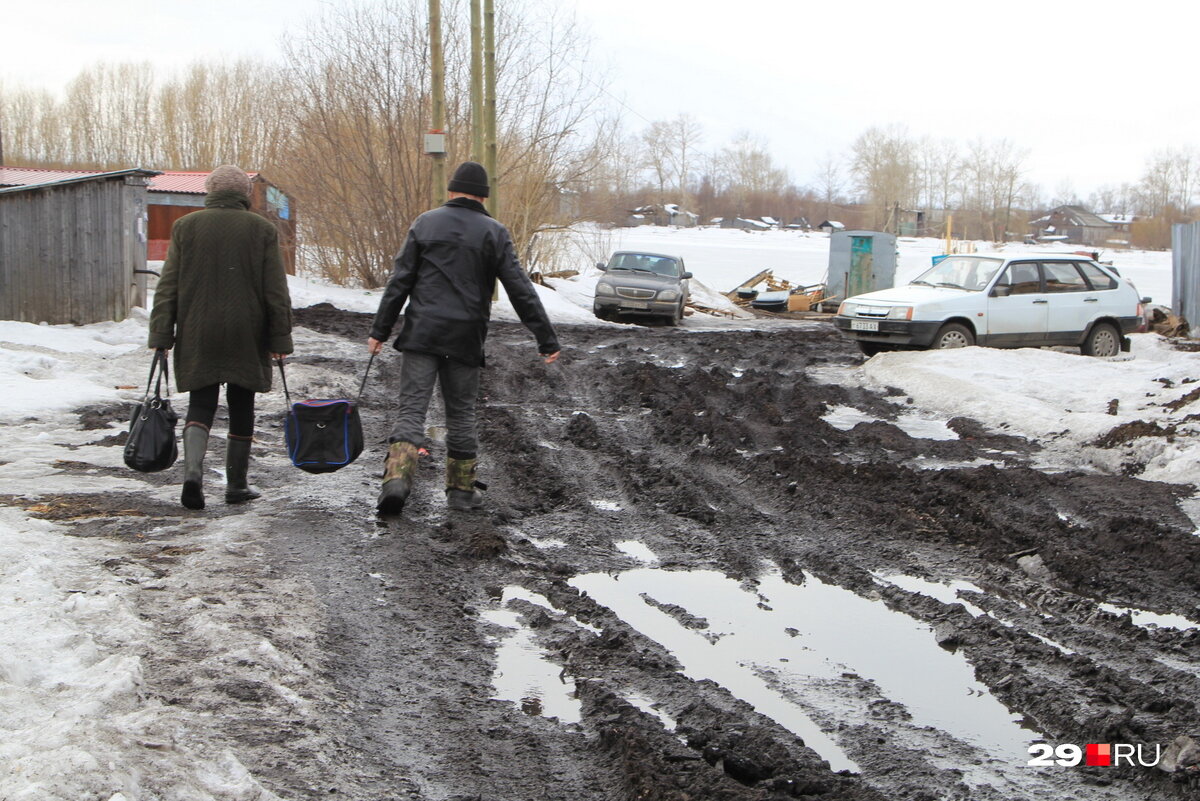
476	82
489	104
438	96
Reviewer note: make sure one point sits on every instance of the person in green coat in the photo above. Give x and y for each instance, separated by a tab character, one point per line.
222	305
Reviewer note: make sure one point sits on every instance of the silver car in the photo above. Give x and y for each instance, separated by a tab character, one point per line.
643	284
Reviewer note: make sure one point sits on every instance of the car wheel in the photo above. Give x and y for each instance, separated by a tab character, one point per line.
677	315
1102	341
953	335
869	349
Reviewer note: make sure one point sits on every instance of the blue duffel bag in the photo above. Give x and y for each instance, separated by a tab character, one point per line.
323	435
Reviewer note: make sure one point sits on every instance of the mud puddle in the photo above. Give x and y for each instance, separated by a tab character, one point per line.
806	638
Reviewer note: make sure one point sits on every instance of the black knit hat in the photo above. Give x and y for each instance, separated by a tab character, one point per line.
470	178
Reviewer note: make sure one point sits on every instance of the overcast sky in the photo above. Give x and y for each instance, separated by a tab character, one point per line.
1091	89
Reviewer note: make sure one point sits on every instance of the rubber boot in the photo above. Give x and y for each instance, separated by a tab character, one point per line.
237	464
195	444
462	493
398	475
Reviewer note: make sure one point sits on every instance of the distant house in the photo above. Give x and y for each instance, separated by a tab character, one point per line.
829	226
1122	226
72	245
744	223
799	224
174	194
1073	225
666	214
171	195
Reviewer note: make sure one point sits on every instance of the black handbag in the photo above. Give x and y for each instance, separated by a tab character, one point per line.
151	444
323	435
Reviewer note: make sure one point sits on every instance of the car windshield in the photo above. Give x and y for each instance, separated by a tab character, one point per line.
644	263
972	273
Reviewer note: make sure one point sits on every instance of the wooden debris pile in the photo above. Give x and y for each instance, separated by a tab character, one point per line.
799	298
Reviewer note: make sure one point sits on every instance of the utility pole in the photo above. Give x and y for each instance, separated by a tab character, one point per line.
435	142
477	153
489	103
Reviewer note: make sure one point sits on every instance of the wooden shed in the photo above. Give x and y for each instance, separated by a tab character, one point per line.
71	245
174	194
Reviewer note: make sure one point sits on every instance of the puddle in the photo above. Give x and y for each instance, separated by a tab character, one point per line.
806	636
1191	508
845	418
605	506
520	593
948	593
1150	620
927	463
547	544
524	674
637	550
651	707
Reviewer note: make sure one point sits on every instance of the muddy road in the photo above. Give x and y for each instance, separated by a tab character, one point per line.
687	585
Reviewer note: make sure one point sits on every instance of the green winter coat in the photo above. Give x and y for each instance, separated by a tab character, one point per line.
222	302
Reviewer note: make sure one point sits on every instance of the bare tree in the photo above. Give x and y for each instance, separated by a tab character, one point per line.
747	174
656	157
361	108
882	160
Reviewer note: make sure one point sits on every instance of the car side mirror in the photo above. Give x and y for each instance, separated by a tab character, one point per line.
601	266
1001	291
686	276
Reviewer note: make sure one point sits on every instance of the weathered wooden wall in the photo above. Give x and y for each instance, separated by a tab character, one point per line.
68	251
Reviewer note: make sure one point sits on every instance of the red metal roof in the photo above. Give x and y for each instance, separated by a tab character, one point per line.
26	176
182	182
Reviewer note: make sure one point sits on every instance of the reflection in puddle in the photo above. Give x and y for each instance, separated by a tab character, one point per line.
1149	620
638	550
845	418
525	676
823	632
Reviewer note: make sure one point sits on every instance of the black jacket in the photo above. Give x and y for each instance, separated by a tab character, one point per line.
447	271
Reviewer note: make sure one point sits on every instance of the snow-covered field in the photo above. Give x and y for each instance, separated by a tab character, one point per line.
70	641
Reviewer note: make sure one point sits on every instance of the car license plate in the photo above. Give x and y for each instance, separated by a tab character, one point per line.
864	325
634	304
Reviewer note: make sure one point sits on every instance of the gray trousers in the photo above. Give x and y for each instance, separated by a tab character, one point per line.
460	388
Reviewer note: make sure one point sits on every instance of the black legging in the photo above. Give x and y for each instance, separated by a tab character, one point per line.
202	408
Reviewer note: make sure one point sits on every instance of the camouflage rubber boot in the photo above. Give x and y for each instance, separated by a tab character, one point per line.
237	464
195	444
398	475
461	487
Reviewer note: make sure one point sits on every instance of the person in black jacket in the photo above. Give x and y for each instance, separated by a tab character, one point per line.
447	271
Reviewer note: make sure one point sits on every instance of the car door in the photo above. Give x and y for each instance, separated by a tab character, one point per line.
1073	303
1017	308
